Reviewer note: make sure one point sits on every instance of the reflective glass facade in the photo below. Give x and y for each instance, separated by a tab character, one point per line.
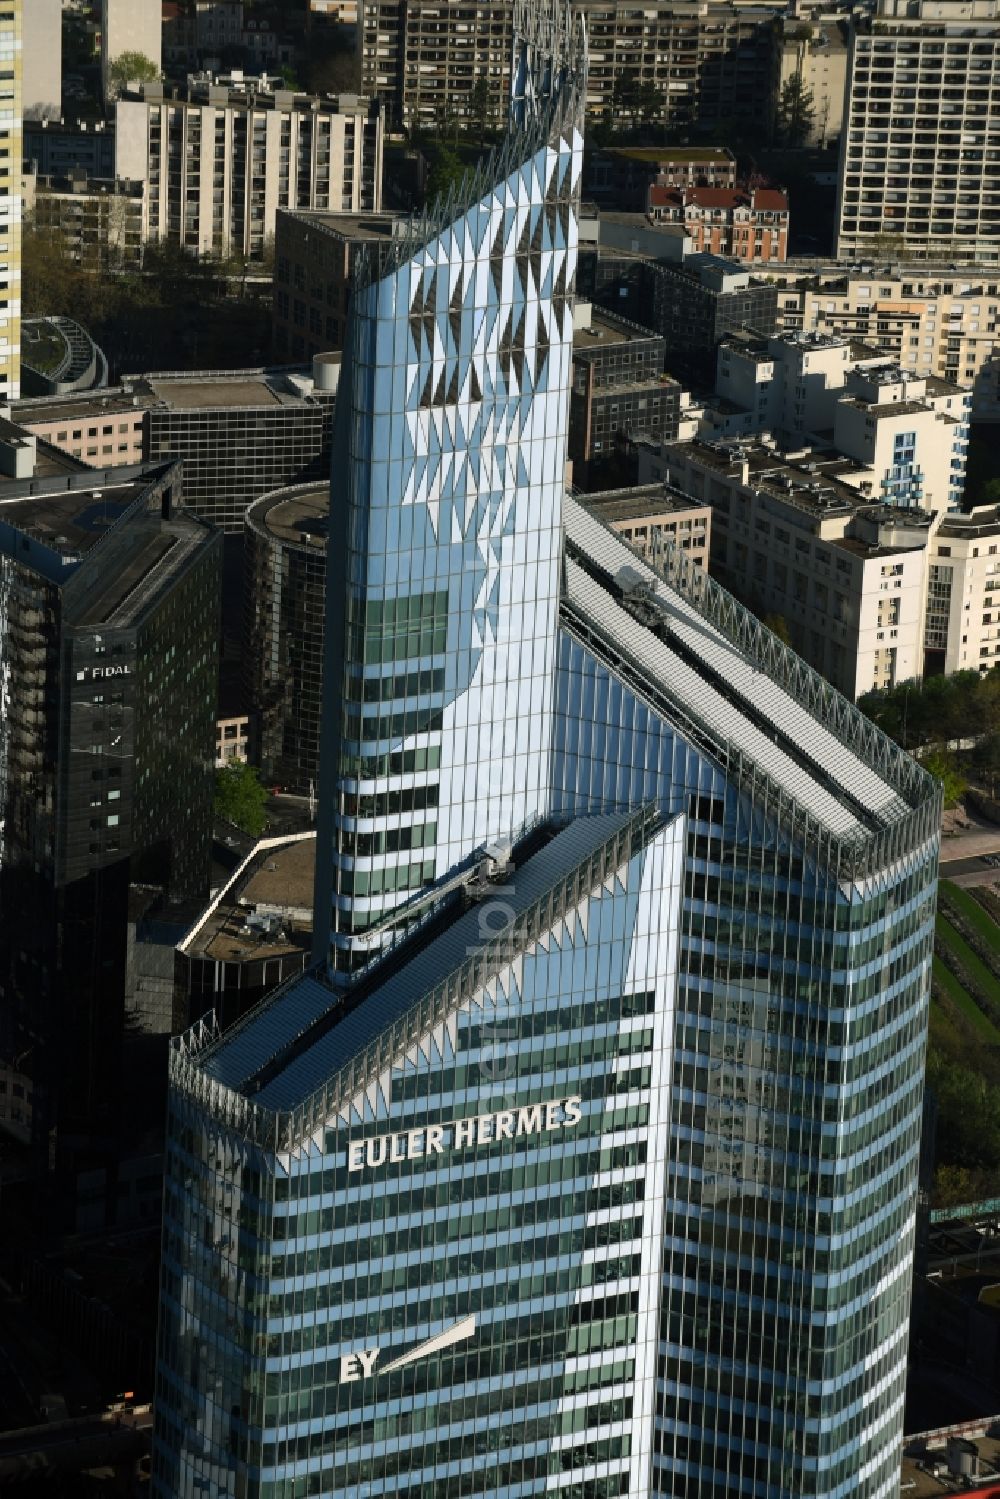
451	1284
598	848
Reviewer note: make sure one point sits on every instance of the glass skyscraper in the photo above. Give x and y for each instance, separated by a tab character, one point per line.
585	1162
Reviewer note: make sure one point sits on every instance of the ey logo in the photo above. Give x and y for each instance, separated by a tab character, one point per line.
361	1365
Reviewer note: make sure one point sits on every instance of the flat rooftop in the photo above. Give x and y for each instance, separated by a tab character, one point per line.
814	482
678	154
605	329
278	879
925	1472
92	404
376	226
70	522
644	500
290	514
294	1043
182	394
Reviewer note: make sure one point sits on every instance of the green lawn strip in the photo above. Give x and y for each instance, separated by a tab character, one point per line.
964	1001
978	970
975	914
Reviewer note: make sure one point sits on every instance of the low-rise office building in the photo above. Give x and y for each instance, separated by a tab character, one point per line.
693	305
220	158
619	390
240	433
644	511
745	224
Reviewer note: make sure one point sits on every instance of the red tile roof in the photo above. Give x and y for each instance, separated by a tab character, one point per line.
716	197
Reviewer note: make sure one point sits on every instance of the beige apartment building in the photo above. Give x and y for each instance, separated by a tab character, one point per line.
940	321
711	60
639	513
849	578
906	434
219	160
129	26
921	138
963	592
814	46
10	199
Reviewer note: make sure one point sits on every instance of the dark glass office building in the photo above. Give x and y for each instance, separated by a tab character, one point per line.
109	604
284	603
586	1160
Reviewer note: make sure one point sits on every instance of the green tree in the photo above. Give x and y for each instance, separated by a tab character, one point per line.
989	493
481	108
796	112
240	798
778	625
446	169
944	769
132	67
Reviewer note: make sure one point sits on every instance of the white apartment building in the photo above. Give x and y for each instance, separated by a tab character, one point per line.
848	578
941	321
10	199
221	159
907	435
129	26
963	592
871	594
921	137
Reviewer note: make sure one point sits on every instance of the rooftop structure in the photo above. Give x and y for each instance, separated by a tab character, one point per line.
934	321
255	934
907	433
640	513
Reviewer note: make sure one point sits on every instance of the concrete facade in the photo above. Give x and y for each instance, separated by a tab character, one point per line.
41	84
129	26
934	320
963	592
849	578
220	161
711	61
917	162
11	56
909	434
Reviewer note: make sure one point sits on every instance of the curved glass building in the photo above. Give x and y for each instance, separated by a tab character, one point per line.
585	1162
